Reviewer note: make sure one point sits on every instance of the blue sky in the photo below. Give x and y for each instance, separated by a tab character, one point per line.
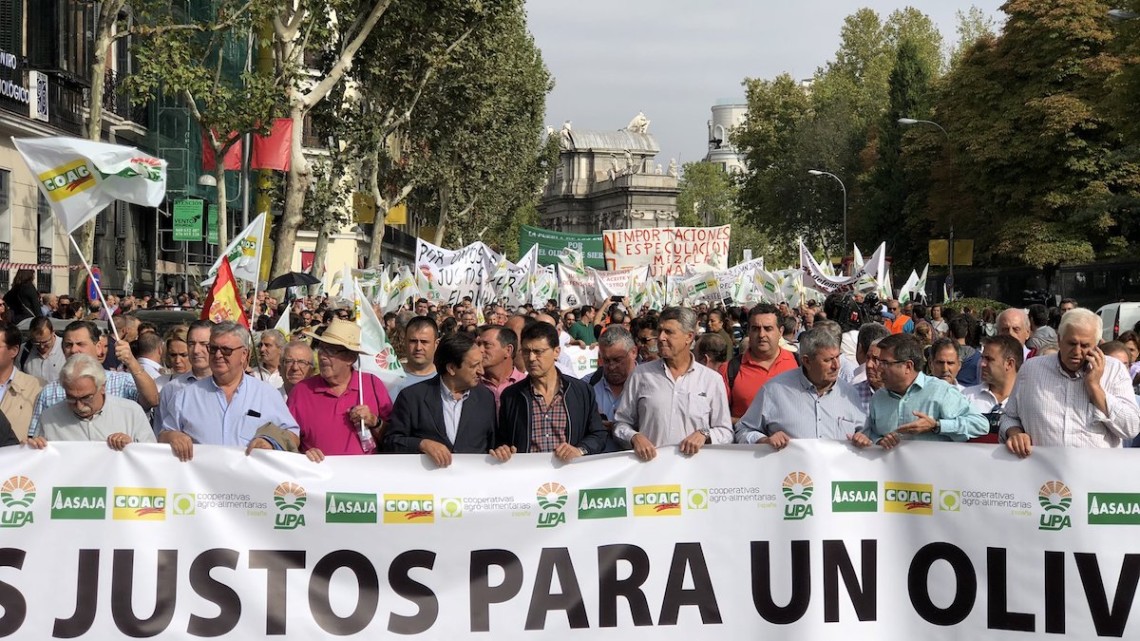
674	59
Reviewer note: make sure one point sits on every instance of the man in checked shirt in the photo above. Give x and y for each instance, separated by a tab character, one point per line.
673	400
1077	398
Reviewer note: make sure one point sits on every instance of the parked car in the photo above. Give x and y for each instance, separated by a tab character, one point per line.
1117	318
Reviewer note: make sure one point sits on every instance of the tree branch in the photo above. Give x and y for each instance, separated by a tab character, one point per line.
319	92
395	122
158	30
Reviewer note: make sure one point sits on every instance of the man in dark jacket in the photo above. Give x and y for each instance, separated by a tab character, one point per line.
548	411
451	413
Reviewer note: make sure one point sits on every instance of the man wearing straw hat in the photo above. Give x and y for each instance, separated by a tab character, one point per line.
339	410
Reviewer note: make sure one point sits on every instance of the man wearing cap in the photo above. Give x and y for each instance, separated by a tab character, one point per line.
331	407
229	407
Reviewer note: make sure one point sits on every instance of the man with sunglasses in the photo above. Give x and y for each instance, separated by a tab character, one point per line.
229	407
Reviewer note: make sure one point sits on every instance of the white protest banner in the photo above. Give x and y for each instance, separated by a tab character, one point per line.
610	284
575	288
736	282
669	250
817	541
863	279
702	287
584	360
446	276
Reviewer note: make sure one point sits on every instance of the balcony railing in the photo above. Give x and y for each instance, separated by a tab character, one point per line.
116	100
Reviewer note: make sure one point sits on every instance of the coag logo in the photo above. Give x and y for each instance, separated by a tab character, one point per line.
184	504
797	488
697	499
451	508
657	500
139	504
79	503
17	494
602	503
908	498
290	499
65	181
854	496
409	508
551	499
1055	498
1114	508
950	500
346	507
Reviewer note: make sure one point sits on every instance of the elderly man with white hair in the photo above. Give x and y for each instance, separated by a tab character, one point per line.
1080	398
88	413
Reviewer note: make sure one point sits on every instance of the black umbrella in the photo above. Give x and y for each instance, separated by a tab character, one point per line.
293	279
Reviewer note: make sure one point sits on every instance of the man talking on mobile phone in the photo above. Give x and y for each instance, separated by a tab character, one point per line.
1079	398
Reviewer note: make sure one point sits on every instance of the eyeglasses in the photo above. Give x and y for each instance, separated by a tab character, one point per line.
226	351
299	362
883	361
82	400
42	343
527	353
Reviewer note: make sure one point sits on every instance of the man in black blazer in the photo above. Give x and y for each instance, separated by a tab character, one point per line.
451	413
548	411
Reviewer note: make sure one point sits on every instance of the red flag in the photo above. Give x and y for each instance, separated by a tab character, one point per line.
274	151
224	303
231	160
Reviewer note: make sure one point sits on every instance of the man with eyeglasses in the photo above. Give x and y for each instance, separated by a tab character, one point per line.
548	411
896	320
764	360
87	413
43	356
914	406
229	407
84	337
296	365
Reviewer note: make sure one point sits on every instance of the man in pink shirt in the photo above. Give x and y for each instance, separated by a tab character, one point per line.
328	407
499	346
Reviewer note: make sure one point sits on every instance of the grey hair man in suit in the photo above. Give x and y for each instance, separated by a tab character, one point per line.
449	414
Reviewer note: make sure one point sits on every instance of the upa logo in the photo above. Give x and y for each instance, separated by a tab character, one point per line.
797	488
551	499
290	499
17	494
908	498
79	503
409	508
139	504
347	507
854	496
1055	498
657	500
602	503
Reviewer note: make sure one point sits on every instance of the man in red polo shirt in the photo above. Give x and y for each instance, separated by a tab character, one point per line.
763	360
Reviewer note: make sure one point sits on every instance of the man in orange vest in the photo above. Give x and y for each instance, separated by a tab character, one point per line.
901	322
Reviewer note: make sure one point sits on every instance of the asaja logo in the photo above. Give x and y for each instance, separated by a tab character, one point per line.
1055	498
184	504
290	499
908	498
657	500
17	494
854	496
1109	508
797	488
950	500
347	507
65	181
139	504
697	499
602	503
409	508
79	503
451	508
551	499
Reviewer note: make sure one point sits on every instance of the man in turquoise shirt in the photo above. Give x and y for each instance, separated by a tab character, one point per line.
914	406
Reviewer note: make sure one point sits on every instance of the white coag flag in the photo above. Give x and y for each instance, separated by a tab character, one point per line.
81	177
244	252
378	358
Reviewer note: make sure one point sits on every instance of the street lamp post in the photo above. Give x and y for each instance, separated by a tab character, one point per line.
816	172
907	122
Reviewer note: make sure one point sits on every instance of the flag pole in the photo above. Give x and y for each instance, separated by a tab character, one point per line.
98	289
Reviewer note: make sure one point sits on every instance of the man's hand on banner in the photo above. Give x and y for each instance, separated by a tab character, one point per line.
890	441
643	448
778	441
503	452
437	452
859	439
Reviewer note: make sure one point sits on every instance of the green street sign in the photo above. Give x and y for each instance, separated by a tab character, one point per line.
212	225
188	220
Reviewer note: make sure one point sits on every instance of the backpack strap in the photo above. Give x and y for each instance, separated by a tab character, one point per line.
734	369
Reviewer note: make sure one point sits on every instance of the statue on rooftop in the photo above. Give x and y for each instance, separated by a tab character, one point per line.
566	142
639	124
673	170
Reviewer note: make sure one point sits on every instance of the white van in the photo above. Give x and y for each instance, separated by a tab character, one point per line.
1117	318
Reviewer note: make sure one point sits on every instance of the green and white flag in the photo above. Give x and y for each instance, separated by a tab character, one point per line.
378	358
81	177
244	252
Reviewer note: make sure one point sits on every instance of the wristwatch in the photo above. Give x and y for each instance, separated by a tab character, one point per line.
937	427
583	451
706	432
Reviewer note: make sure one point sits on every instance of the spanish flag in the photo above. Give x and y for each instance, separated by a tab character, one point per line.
224	303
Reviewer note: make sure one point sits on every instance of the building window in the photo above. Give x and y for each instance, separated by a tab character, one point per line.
122	219
45	241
